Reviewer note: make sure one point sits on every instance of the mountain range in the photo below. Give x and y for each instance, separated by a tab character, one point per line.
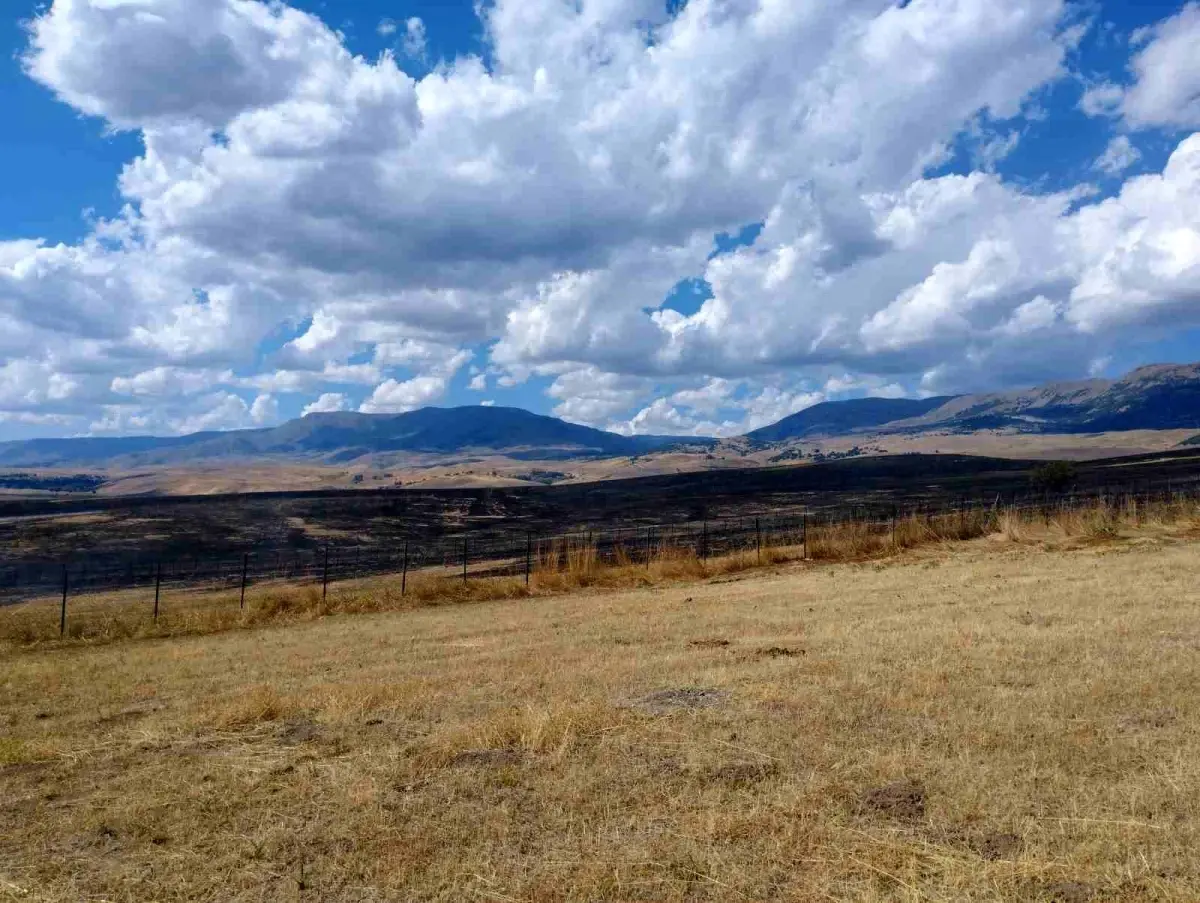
345	436
1163	396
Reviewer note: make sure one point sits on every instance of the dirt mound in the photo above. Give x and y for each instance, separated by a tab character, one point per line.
709	644
780	652
904	800
486	758
742	774
301	731
663	702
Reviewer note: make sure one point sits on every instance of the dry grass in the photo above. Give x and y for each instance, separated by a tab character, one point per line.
565	567
985	721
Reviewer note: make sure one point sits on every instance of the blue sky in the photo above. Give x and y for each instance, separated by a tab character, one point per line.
696	218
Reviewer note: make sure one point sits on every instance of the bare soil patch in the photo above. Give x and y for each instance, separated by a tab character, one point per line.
663	702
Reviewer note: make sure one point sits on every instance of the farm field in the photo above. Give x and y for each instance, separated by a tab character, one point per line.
1012	718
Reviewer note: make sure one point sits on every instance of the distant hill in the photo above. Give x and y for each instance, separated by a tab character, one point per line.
345	436
1152	398
838	418
1157	397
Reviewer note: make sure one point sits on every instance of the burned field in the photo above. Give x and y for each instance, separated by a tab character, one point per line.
51	530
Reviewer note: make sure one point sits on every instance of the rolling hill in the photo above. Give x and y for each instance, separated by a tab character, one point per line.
1156	397
337	437
839	418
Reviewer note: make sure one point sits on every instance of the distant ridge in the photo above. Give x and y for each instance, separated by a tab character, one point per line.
344	436
837	418
1157	397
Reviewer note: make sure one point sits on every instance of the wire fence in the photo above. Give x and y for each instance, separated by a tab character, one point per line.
518	553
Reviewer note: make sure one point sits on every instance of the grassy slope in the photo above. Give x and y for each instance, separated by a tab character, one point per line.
1042	701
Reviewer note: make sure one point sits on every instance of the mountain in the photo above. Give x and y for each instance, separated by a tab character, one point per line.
346	436
837	418
1156	397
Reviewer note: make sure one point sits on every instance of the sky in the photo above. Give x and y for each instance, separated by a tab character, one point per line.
690	217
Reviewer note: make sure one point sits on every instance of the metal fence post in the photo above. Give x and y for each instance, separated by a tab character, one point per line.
325	577
245	567
758	538
805	527
893	526
62	621
404	573
649	548
464	559
157	588
704	541
528	554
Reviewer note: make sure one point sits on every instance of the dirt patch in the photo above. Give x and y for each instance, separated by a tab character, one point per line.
994	845
486	758
296	732
904	800
663	702
742	774
780	652
709	644
1144	721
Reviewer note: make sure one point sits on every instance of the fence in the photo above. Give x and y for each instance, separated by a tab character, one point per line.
516	554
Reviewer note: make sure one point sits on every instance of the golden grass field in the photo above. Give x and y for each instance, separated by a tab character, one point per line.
1015	717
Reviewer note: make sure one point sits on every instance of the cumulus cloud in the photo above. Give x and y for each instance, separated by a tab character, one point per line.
311	220
414	39
327	404
394	397
1118	156
1164	77
1166	88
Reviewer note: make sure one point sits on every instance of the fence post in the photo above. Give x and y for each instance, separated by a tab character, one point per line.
528	554
805	524
648	548
325	576
62	621
758	538
245	567
157	588
704	541
404	572
464	559
893	526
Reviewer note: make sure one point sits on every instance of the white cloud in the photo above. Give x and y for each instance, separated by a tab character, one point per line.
326	404
1102	100
386	28
1118	156
283	180
394	397
1166	88
167	382
265	410
414	39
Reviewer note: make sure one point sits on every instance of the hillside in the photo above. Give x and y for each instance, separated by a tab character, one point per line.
1157	397
339	437
837	418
